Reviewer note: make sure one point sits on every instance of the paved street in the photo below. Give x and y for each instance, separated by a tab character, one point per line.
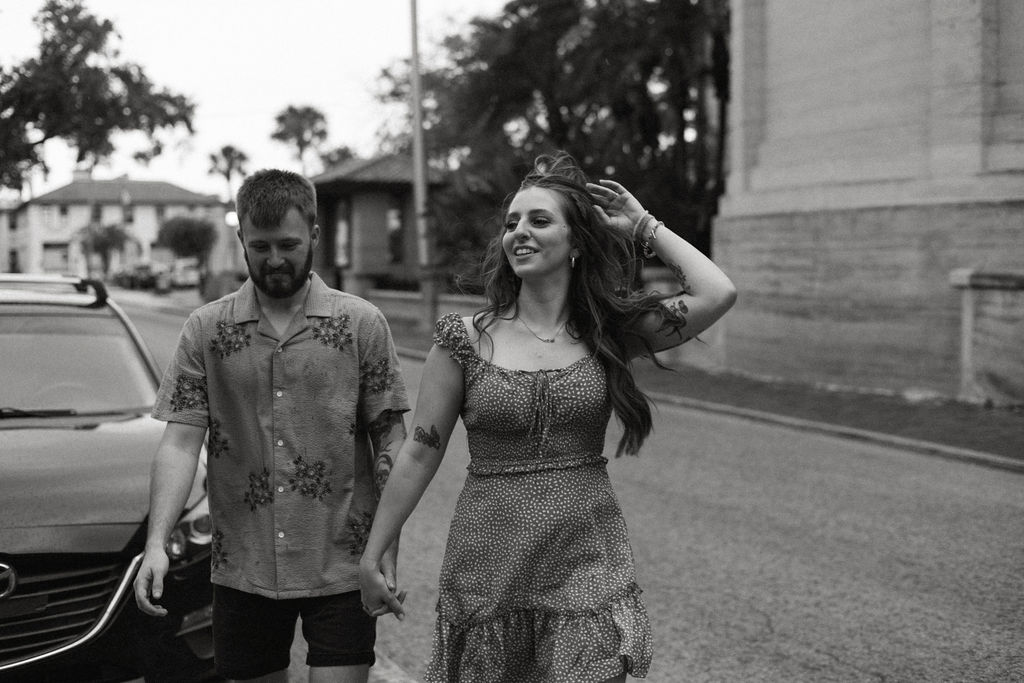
768	554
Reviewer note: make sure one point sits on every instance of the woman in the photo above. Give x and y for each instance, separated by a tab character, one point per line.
538	581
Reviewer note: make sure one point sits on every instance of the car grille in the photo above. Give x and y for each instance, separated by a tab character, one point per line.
59	602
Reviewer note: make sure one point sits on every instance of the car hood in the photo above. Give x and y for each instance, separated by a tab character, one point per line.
76	485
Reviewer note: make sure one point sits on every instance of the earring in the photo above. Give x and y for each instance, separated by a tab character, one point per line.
572	261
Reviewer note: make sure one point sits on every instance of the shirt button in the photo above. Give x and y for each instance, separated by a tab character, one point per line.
280	442
280	349
280	534
280	489
280	394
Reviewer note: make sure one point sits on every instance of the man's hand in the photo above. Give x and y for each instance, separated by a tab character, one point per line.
149	582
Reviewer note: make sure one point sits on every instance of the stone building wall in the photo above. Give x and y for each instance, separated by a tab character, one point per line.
875	146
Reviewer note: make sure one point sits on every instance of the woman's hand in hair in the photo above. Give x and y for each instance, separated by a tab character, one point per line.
617	207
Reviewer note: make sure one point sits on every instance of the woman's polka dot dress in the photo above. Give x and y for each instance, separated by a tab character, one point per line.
538	581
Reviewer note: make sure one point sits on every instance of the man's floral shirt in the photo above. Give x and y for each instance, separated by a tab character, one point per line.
290	468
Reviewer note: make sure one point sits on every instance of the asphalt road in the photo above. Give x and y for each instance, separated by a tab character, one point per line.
768	554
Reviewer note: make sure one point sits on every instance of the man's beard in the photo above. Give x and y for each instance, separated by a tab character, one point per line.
283	282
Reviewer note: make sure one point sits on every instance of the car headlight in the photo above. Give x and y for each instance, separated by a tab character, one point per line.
193	534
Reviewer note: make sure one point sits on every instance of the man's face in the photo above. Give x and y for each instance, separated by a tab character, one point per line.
279	258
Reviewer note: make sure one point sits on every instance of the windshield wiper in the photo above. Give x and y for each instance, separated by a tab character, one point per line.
8	411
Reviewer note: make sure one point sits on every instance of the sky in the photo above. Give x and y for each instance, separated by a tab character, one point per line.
243	61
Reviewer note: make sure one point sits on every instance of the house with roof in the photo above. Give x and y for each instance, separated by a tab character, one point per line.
42	234
368	224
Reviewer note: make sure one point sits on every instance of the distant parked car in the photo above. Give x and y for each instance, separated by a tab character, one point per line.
185	273
144	275
76	388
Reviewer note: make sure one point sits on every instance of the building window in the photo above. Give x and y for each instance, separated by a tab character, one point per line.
49	215
342	236
160	213
55	257
396	241
63	210
96	213
13	264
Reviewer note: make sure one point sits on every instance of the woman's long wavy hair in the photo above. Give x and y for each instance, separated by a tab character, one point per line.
604	303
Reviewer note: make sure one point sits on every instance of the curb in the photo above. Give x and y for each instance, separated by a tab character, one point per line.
841	431
923	447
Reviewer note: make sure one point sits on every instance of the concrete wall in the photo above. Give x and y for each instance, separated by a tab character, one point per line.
991	336
874	147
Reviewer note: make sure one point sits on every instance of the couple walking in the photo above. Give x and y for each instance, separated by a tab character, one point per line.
296	390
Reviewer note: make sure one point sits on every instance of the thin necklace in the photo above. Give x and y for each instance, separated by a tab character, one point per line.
546	340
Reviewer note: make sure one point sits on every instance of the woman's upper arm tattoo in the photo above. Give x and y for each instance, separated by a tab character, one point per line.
431	439
673	317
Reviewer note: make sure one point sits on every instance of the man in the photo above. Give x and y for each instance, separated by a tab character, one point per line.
298	389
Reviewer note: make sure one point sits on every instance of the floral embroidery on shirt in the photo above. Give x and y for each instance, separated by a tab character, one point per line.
216	444
309	479
230	338
376	377
218	558
333	331
259	492
360	522
189	392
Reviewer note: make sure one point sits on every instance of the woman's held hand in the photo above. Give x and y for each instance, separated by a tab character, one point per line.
378	598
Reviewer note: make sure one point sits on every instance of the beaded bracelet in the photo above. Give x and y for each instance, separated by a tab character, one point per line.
645	244
638	231
640	225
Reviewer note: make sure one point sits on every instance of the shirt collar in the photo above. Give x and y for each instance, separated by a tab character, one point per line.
317	304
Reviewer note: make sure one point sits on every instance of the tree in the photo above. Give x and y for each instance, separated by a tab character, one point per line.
338	155
188	236
303	127
228	162
104	240
79	90
629	87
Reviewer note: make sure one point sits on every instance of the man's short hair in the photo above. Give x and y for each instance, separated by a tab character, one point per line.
267	195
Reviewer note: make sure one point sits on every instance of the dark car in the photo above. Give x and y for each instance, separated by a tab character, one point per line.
144	275
76	443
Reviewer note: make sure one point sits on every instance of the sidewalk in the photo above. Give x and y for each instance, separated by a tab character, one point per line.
945	428
987	436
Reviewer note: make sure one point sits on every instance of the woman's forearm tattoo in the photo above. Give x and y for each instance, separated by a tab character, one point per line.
680	276
431	440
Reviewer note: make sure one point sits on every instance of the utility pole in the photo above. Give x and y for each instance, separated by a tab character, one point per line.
428	283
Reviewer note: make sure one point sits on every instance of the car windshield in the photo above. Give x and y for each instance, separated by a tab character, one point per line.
72	362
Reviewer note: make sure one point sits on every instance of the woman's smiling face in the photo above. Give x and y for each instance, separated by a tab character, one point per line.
536	238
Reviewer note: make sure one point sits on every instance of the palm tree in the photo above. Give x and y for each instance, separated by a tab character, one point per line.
228	162
304	127
104	240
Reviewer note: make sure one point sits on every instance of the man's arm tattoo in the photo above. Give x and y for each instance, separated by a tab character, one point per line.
431	440
384	426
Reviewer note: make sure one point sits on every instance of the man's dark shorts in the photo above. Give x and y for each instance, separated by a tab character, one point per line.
252	635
